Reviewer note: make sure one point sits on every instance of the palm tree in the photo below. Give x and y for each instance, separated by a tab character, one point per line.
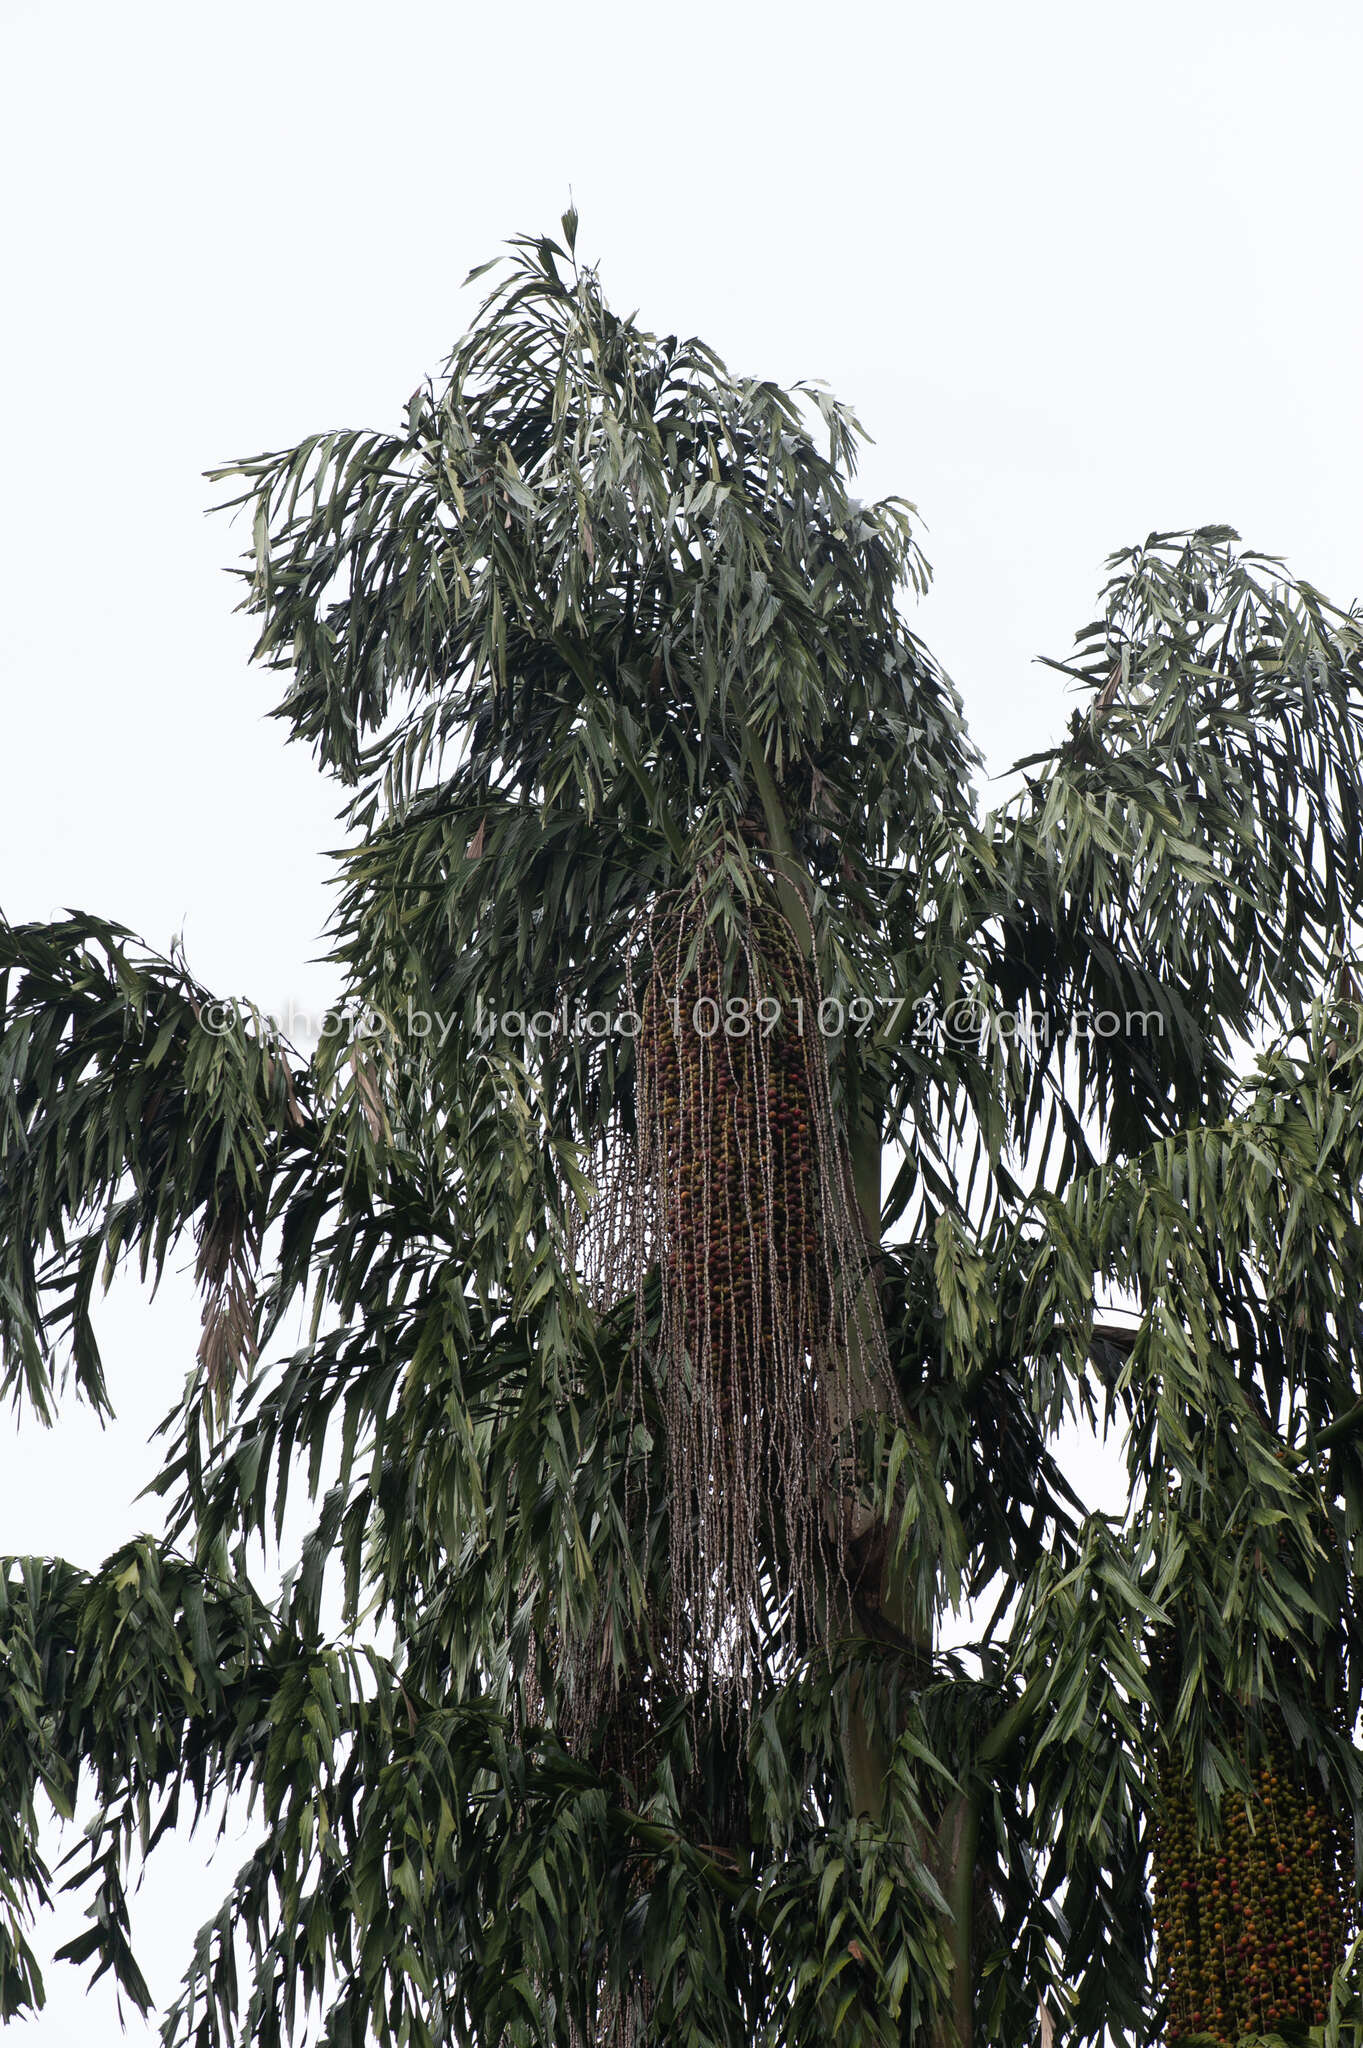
656	1443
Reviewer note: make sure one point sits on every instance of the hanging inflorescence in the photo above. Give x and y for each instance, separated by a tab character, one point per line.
769	1330
1251	1921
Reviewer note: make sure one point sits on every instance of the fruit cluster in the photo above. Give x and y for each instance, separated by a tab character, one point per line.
1250	1922
745	1204
736	1145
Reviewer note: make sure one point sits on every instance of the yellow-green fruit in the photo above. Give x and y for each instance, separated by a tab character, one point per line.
1251	1923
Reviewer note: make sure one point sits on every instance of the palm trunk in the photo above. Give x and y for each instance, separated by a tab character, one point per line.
866	1758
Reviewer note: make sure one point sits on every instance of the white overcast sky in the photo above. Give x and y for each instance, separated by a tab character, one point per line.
1083	270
